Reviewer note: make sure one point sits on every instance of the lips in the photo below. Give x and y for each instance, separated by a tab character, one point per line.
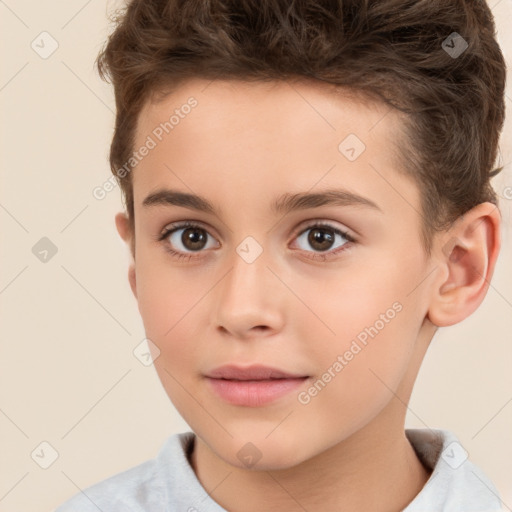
252	386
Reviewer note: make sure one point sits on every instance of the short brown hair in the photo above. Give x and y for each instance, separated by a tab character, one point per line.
396	51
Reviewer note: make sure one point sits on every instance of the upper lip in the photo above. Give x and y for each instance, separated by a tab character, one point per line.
254	372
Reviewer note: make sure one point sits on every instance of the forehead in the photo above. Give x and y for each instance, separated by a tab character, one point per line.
222	136
254	102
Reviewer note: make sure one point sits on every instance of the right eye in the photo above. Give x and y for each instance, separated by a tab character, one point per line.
184	239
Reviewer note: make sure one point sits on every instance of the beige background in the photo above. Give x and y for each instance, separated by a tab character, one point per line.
68	375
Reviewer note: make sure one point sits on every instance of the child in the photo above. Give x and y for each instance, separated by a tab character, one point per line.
308	199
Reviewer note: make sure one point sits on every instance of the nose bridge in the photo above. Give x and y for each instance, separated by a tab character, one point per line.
249	271
244	300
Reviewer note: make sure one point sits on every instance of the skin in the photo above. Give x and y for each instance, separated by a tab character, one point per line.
242	146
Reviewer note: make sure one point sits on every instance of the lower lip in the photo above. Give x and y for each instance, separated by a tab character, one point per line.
254	393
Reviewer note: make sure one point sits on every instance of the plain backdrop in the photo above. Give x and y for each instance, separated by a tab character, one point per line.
68	375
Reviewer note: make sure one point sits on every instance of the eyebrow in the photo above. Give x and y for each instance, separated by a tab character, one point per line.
282	205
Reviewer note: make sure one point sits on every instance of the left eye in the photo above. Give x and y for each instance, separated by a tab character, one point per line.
321	237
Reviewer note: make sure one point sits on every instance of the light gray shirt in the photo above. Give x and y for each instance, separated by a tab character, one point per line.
168	483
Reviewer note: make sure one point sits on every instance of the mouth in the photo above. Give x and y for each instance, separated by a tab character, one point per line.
252	386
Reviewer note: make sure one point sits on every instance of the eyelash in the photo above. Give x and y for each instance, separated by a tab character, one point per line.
318	256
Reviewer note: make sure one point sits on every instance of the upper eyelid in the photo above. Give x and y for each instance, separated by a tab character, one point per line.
325	224
169	228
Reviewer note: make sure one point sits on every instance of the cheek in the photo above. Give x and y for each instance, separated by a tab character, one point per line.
170	306
345	306
165	294
369	326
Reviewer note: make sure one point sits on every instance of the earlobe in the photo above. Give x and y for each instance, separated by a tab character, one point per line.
123	228
467	259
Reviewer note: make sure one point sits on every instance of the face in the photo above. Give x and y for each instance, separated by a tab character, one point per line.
325	289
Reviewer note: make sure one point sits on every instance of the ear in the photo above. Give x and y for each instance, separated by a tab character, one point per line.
466	254
126	233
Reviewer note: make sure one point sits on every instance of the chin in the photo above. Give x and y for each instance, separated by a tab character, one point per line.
257	453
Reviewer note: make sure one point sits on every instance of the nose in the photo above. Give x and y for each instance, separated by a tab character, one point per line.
249	298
